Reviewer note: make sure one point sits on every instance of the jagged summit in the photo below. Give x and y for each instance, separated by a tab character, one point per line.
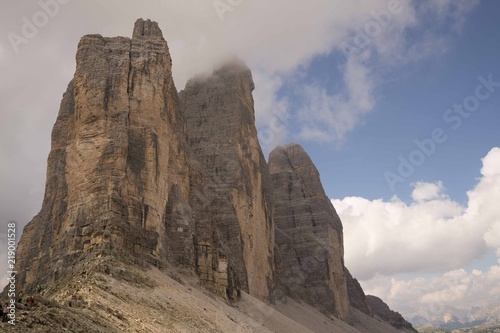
117	152
144	183
146	28
233	64
292	157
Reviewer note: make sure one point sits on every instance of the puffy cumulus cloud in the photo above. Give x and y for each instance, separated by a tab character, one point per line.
431	234
434	296
491	163
491	169
427	191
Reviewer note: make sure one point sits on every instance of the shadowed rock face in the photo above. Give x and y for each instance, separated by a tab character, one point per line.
381	311
357	296
309	241
221	130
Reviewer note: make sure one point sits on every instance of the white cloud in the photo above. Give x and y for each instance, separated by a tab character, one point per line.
329	117
432	234
491	163
378	44
274	115
427	191
435	296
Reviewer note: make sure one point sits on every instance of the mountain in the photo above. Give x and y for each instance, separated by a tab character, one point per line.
459	319
161	213
383	312
309	238
236	221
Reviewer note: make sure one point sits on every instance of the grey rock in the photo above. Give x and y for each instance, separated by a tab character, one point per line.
357	297
235	219
146	28
383	312
309	238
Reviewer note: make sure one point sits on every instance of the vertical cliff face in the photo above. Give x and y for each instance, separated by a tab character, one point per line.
221	130
309	239
42	246
118	161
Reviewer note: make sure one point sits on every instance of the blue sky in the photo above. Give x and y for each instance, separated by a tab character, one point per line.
434	239
408	99
411	102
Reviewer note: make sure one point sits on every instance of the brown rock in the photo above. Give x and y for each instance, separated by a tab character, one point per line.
118	162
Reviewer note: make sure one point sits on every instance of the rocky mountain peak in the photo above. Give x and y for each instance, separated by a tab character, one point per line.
146	28
143	180
117	153
383	312
293	158
220	126
309	239
232	78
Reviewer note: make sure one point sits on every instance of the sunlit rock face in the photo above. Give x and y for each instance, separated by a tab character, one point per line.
118	161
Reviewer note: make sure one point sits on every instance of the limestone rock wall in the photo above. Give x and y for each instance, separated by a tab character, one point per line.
118	167
309	240
221	130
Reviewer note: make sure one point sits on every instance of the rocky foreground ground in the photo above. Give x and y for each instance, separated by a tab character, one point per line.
110	297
